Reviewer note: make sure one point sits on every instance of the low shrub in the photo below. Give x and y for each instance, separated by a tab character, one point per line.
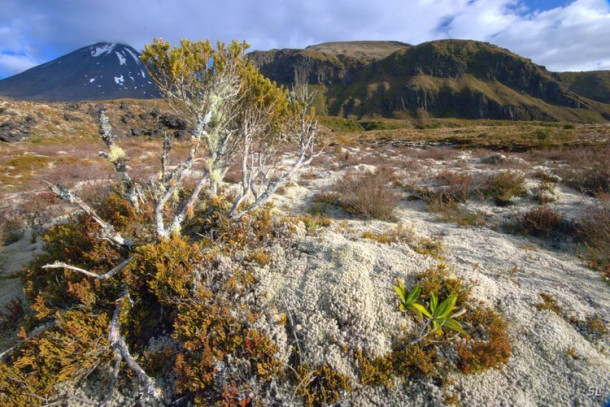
588	171
400	234
483	343
366	195
594	230
504	186
540	221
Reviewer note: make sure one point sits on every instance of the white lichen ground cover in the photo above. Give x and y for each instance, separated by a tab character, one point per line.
338	286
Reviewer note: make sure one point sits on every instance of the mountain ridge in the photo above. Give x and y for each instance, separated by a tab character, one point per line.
443	78
357	79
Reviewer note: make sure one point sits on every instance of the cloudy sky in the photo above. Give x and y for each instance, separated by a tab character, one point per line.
560	34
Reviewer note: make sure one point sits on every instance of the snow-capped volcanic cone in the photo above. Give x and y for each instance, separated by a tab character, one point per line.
97	72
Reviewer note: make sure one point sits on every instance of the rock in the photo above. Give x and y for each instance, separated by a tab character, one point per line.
137	131
11	131
173	122
71	118
494	159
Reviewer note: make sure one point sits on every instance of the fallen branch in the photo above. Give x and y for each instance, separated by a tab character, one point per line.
105	276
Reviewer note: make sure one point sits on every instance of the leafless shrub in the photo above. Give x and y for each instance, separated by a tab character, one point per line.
368	195
437	153
594	229
588	171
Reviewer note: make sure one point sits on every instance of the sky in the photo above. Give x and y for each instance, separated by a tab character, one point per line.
563	35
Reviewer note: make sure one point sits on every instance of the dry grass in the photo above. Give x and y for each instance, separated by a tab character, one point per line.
594	230
367	195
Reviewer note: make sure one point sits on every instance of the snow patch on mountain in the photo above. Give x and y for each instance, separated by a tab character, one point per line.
119	80
134	56
103	49
121	57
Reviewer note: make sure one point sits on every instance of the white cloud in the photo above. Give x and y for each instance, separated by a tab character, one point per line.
16	63
574	37
570	37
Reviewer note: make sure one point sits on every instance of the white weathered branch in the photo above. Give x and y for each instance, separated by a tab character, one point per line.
117	157
117	342
105	276
171	182
108	231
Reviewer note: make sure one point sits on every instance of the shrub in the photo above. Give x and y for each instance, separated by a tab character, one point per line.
400	234
540	221
487	347
594	230
366	195
455	187
504	186
588	171
322	386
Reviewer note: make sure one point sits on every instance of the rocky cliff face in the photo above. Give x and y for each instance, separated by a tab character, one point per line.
448	78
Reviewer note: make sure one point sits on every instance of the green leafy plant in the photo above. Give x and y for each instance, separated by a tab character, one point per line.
439	315
443	315
409	300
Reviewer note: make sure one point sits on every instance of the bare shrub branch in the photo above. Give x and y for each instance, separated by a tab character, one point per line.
105	276
117	342
108	231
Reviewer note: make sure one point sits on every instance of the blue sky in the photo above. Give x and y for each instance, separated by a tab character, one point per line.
562	34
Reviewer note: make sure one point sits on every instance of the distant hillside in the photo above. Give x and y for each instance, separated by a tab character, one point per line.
98	72
593	85
359	79
447	78
372	50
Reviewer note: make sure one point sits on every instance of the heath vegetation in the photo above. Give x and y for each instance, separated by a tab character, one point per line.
179	267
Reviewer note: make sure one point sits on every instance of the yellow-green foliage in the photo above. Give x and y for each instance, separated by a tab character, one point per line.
313	222
166	269
216	230
430	247
549	303
439	281
74	347
219	347
74	243
504	186
400	234
116	154
322	386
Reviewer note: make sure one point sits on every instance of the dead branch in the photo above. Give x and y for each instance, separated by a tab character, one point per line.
108	231
265	160
171	182
117	342
105	276
117	157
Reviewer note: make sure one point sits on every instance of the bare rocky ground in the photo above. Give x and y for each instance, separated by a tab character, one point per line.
337	285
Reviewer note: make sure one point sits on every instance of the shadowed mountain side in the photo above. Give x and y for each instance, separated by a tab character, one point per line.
447	78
